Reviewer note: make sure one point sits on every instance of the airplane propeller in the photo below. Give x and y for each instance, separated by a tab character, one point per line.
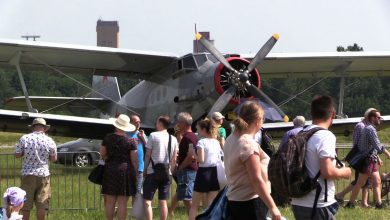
224	99
241	76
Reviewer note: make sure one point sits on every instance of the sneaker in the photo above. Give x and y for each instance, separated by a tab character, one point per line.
339	201
380	206
366	206
350	205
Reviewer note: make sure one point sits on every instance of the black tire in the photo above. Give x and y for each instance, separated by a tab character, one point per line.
82	159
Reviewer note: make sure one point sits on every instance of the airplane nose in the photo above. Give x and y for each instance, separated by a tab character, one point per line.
244	77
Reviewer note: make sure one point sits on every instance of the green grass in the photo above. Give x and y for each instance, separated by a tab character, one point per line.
82	198
384	137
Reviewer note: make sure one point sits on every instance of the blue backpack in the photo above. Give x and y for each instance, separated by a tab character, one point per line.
218	208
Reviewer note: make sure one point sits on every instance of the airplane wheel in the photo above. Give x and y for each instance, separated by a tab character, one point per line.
81	159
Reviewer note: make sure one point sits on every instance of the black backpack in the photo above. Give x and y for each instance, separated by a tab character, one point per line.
287	170
266	143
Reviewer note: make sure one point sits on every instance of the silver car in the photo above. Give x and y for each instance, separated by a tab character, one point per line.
81	152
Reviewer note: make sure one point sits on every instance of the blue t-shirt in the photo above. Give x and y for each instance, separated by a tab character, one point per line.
288	134
140	149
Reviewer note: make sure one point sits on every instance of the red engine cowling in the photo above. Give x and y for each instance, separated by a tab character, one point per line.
223	79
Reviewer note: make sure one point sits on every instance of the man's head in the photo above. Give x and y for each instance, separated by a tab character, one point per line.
39	124
163	122
217	117
322	109
299	121
374	117
184	121
367	112
136	121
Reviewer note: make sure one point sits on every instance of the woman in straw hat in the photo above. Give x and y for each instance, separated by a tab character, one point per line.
119	178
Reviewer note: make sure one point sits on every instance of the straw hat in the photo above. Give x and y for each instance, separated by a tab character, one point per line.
122	123
40	121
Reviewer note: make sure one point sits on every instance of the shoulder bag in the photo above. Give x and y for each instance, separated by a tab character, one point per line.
161	170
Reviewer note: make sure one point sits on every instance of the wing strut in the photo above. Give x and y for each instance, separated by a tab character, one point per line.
342	71
16	62
78	82
341	98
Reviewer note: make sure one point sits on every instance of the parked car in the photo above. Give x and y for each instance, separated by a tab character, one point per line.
81	152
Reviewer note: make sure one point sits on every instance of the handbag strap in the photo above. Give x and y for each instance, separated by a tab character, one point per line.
169	151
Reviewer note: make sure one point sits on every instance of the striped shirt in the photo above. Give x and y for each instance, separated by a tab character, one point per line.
369	141
158	143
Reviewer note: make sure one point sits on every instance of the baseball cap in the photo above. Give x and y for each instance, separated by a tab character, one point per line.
217	116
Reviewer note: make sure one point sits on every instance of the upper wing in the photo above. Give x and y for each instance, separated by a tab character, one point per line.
85	59
148	65
332	64
339	126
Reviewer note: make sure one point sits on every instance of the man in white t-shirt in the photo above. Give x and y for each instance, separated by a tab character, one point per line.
157	151
320	156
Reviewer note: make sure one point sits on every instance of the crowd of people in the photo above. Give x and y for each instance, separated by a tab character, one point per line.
366	140
135	164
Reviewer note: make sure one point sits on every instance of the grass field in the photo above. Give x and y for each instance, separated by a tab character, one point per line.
72	191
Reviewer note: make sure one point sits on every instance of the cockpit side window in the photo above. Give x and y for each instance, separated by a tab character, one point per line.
212	58
200	59
189	62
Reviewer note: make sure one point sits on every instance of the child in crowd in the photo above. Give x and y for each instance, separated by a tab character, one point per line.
385	178
14	198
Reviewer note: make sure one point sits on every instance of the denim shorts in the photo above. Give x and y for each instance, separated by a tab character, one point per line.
185	184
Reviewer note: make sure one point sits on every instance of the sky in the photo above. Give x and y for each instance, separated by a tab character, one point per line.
236	26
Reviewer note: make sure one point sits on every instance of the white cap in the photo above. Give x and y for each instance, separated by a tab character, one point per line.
40	121
217	116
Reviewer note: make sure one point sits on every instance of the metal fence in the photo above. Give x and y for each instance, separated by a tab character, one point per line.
342	150
71	189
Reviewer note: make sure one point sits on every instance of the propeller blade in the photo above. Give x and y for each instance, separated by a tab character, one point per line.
210	47
258	93
223	100
267	47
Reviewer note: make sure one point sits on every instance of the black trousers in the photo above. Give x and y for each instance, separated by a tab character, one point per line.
252	209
